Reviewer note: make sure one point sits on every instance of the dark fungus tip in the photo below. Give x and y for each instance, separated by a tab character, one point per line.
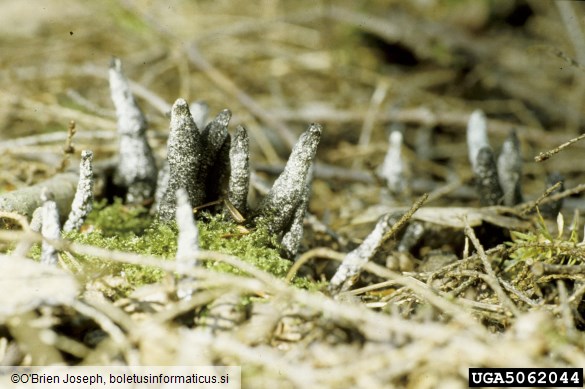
513	137
552	209
486	172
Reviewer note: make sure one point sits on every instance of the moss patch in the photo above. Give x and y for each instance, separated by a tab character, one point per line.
119	220
133	229
256	247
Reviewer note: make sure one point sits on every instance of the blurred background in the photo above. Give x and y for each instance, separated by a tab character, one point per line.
360	68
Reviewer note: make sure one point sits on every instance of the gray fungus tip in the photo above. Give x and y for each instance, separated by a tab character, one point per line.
311	136
180	108
223	118
116	64
315	129
240	131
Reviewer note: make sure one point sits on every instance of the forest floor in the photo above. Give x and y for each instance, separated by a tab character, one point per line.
484	286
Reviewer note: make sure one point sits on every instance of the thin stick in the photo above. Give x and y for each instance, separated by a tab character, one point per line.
20	219
566	313
322	252
68	150
557	196
422	116
245	99
533	204
372	287
406	217
116	334
547	154
43	110
571	20
566	193
541	269
424	291
33	140
375	103
354	261
495	284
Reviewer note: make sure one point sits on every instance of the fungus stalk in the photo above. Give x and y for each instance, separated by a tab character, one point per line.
291	240
218	178
50	229
486	177
214	135
187	242
214	168
162	182
392	170
476	135
199	111
239	170
184	158
83	200
510	170
355	260
36	221
136	170
280	204
411	237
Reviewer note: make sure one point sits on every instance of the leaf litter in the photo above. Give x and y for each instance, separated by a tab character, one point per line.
506	285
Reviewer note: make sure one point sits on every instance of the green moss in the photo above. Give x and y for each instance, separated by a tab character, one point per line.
153	241
544	246
257	247
117	219
133	229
